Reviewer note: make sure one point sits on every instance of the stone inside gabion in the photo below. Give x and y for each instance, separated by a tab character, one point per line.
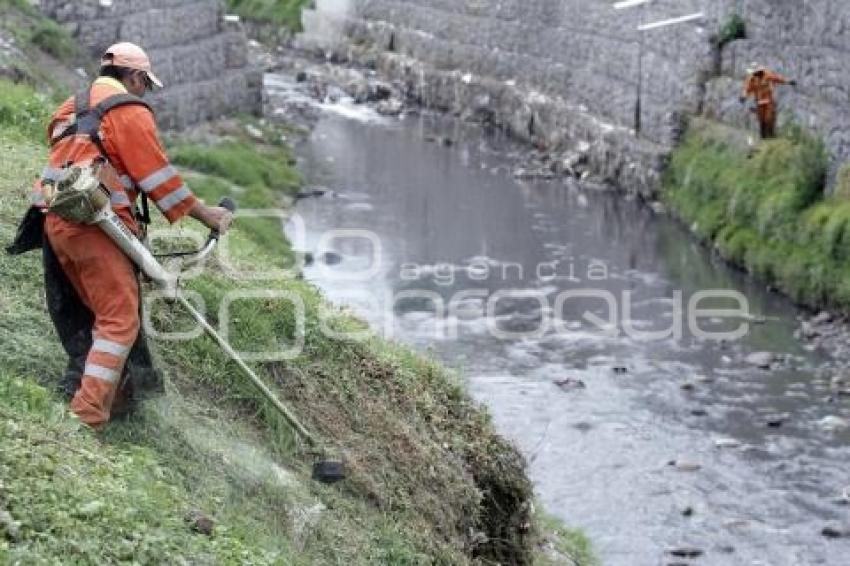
202	61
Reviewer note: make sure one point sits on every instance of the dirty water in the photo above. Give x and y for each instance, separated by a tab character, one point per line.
651	446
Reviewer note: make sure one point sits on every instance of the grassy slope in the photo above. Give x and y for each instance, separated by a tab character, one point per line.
766	212
427	471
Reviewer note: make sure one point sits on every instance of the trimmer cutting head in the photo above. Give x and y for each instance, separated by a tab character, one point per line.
325	470
328	470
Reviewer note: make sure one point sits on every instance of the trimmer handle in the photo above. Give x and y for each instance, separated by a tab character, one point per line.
230	205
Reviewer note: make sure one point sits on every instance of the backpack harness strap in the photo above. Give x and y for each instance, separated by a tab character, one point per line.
87	122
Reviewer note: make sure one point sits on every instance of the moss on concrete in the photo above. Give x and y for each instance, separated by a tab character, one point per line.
283	13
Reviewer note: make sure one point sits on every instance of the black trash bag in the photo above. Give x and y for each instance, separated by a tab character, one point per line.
30	234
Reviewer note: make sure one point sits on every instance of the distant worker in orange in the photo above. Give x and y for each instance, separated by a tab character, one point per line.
107	124
759	84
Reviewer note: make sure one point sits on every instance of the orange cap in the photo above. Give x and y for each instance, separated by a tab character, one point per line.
131	56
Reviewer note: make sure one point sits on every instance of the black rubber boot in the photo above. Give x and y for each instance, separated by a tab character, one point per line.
71	379
125	403
71	318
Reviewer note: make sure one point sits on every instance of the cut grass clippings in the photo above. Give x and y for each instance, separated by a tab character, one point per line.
67	495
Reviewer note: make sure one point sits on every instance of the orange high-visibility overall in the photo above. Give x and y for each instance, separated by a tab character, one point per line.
761	89
104	278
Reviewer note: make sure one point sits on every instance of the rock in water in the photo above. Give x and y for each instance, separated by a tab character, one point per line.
311	193
834	531
843	498
833	423
726	443
379	92
570	383
392	107
809	331
658	207
840	386
763	360
331	258
823	317
684	466
686	552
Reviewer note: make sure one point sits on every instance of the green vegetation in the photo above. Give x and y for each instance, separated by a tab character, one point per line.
285	13
734	28
841	190
71	498
385	408
53	39
429	481
559	545
240	162
767	211
66	494
23	112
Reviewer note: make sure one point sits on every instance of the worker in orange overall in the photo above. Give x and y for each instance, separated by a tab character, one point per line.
111	125
759	84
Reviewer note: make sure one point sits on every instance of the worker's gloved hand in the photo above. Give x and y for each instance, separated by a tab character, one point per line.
219	219
215	218
792	82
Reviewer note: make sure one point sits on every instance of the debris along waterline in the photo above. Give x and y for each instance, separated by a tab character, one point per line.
599	454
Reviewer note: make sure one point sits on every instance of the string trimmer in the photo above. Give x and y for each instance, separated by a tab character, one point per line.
81	197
